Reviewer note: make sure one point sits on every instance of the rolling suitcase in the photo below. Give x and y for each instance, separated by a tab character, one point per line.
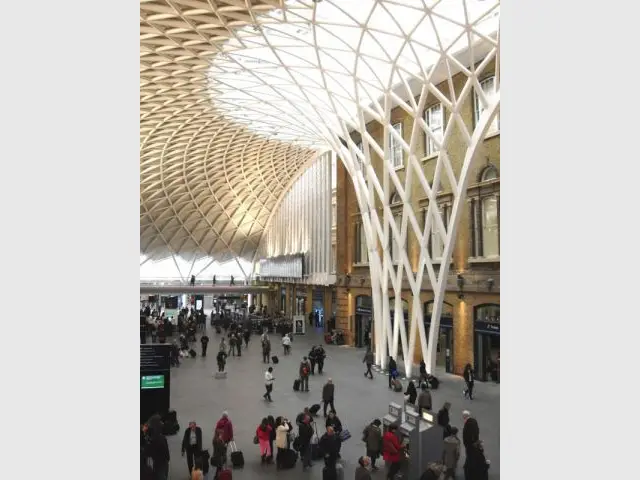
275	360
237	457
225	475
314	409
289	459
220	375
296	385
192	353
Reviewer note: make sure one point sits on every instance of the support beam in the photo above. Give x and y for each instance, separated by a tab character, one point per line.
201	289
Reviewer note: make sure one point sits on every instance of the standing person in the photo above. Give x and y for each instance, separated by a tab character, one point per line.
424	377
157	448
266	350
232	344
204	341
286	344
320	356
469	378
451	454
470	431
328	392
239	343
334	422
263	433
313	357
393	371
368	360
424	399
305	434
372	436
193	280
443	419
272	436
304	370
476	465
268	384
226	426
221	359
219	457
192	444
329	445
282	432
392	451
411	394
362	472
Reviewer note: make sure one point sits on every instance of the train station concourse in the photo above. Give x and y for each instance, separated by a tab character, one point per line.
320	182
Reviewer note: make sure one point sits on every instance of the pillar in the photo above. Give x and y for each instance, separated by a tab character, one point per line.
463	336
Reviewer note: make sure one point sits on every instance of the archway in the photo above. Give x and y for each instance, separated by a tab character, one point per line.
444	347
486	341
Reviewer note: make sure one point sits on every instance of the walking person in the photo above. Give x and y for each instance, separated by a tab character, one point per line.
393	371
219	457
232	344
266	350
320	356
304	370
443	419
239	343
469	378
192	444
247	336
204	341
328	392
470	431
368	360
372	437
225	425
268	384
313	359
221	359
286	344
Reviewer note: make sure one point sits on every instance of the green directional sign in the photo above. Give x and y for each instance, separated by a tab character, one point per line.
148	382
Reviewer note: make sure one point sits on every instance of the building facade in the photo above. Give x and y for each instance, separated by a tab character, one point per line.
469	329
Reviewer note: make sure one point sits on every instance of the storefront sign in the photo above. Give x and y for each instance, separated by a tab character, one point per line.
363	311
488	327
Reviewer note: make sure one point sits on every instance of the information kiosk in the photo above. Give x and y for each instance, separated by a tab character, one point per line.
409	433
155	380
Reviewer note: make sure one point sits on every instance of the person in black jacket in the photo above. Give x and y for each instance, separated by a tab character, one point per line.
305	434
313	359
320	356
470	431
411	392
443	419
329	445
204	340
192	444
368	359
336	425
157	448
468	379
476	466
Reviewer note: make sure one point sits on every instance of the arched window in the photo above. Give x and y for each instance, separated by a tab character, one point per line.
489	173
488	312
447	309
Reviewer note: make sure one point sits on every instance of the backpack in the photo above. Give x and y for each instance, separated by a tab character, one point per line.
305	369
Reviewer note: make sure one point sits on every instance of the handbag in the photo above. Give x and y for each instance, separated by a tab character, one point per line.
256	440
345	435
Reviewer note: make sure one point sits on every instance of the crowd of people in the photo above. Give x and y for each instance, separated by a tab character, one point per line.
281	442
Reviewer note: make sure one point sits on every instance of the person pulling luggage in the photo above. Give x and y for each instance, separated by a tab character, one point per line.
192	444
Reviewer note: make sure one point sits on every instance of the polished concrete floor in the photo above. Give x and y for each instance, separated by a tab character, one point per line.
196	395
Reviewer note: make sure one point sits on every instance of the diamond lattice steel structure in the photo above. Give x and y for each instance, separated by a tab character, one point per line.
238	95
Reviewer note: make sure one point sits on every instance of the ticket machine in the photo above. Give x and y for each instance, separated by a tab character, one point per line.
409	433
431	439
395	416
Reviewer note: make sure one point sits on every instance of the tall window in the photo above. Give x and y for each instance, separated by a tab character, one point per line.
395	147
433	117
485	220
361	254
488	86
396	249
490	236
333	259
435	245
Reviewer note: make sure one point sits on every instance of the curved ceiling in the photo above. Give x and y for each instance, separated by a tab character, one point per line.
237	95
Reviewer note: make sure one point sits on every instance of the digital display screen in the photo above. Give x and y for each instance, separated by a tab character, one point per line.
150	382
427	416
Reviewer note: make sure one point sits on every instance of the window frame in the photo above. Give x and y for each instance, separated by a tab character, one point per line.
430	149
478	108
396	147
444	210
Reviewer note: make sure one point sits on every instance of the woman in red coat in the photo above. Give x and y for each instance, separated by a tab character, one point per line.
263	434
392	451
226	426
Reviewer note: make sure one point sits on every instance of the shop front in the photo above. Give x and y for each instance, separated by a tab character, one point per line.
363	320
486	346
444	346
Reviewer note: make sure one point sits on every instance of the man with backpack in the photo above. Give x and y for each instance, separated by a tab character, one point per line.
305	370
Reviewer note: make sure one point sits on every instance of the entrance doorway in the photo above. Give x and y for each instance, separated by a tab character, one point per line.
487	342
444	347
363	320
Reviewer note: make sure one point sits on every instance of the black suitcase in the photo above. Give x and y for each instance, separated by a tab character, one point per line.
296	385
316	453
275	360
289	459
237	458
204	456
192	353
314	409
